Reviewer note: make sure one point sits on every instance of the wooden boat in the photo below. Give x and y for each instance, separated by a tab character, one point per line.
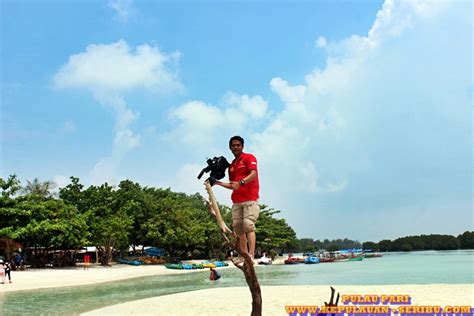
311	260
373	255
155	252
131	262
326	260
293	260
264	261
357	257
208	265
177	266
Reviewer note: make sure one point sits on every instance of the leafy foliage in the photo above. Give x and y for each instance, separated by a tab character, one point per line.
39	188
273	233
115	218
308	244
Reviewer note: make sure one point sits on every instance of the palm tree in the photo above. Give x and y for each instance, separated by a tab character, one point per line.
37	187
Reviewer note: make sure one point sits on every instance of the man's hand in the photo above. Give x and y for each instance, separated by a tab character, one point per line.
234	185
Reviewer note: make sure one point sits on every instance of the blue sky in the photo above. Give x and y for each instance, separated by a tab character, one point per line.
359	112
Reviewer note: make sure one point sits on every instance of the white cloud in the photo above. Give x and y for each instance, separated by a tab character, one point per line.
110	70
117	67
255	106
385	125
125	140
123	8
200	124
288	94
321	42
309	180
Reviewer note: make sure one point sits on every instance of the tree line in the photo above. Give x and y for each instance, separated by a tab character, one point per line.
409	243
424	242
311	245
116	218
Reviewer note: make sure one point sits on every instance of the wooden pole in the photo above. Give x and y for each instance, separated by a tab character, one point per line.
247	266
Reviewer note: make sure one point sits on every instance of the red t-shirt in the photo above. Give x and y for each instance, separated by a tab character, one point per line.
239	169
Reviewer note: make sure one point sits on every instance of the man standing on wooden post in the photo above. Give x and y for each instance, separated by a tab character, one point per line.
244	184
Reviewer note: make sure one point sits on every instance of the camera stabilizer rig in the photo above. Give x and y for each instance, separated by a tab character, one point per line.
217	167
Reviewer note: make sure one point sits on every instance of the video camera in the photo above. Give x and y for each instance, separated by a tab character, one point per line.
217	167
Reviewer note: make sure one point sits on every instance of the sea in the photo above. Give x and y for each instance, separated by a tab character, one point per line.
418	267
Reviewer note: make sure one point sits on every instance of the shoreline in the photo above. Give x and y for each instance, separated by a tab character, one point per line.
36	279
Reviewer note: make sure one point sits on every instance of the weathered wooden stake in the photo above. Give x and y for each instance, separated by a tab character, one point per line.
232	241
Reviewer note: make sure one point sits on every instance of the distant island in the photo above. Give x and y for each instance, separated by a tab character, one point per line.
408	243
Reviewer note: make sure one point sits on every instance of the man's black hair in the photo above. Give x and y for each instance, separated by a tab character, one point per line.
240	139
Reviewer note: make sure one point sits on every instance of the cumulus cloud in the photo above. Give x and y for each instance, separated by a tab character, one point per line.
110	70
198	123
385	125
118	67
371	108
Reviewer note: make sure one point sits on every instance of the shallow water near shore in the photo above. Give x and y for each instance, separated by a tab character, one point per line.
427	267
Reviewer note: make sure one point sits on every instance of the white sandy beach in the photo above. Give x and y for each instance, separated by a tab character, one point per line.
237	301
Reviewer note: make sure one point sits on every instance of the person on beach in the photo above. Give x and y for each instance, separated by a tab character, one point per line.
214	275
87	260
243	177
2	271
8	269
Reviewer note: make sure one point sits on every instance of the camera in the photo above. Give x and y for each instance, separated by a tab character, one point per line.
217	167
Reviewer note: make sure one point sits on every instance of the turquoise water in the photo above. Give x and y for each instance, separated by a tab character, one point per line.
450	267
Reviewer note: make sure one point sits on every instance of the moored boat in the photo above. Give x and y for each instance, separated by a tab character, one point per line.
130	262
293	260
264	260
357	257
176	266
311	260
373	255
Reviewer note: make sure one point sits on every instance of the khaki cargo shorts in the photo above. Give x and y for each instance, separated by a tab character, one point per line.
244	216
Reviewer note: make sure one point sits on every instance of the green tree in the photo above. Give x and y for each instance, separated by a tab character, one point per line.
39	188
51	224
274	233
370	245
333	247
466	240
386	245
9	187
108	217
306	245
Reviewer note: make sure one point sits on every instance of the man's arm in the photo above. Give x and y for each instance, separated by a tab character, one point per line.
234	185
252	175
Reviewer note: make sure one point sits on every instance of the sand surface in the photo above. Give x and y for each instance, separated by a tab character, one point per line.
237	301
